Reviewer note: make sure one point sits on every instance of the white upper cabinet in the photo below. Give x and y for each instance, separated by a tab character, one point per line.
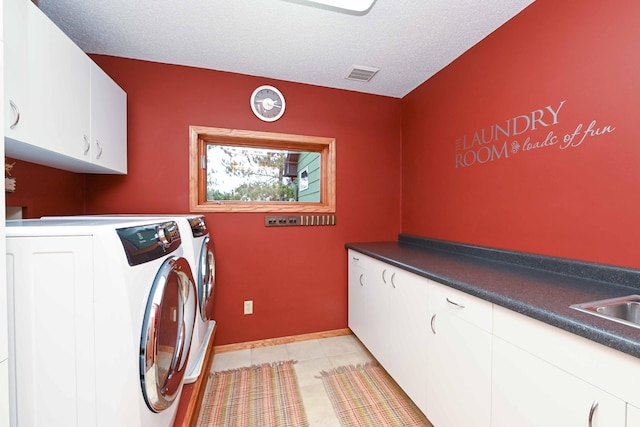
4	343
108	122
20	110
61	110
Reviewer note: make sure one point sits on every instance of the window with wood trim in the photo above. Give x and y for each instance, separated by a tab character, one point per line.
233	170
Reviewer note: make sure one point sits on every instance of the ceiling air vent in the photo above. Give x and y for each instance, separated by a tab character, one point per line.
362	73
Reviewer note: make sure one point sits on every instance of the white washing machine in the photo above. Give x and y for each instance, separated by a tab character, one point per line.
101	315
198	249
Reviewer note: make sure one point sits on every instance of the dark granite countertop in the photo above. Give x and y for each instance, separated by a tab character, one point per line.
540	287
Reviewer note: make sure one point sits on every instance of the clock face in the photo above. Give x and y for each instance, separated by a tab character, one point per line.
267	103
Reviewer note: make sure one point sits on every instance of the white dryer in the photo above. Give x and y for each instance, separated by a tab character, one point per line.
205	275
101	315
199	251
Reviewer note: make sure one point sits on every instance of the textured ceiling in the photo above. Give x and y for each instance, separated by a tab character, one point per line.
409	40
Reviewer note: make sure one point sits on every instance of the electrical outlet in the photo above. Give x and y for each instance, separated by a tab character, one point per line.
281	221
248	307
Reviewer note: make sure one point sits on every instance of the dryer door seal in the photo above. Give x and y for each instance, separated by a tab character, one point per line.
166	333
206	278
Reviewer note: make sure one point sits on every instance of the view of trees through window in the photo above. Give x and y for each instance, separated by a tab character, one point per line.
259	174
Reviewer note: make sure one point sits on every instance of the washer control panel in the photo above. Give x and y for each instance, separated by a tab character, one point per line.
144	243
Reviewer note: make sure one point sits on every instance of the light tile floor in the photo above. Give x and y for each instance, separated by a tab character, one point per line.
312	356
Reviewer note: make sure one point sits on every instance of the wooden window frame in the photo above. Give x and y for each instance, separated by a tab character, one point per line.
200	136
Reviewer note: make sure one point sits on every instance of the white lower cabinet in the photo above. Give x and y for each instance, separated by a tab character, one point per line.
388	313
367	306
359	304
467	362
459	359
529	392
4	394
409	304
633	416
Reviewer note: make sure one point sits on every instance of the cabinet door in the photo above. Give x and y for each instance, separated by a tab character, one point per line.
459	359
633	416
617	373
108	122
366	304
529	392
53	332
20	111
4	394
409	340
62	88
358	301
4	345
47	79
58	82
385	342
369	305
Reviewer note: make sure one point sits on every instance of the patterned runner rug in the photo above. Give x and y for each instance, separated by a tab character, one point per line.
366	396
258	396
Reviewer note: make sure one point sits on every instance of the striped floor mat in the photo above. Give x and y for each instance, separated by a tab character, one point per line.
258	396
365	396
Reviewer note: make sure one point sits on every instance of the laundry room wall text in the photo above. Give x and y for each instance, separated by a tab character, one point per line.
510	137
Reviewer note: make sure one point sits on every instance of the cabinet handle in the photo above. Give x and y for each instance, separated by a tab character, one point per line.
87	145
99	149
361	284
432	328
392	283
384	280
15	109
592	411
454	303
355	258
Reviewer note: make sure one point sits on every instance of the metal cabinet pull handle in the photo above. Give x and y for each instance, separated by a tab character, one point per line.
384	279
392	283
15	109
99	149
361	284
432	328
355	258
87	145
454	303
592	411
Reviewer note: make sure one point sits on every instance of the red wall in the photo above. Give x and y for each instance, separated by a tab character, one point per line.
577	202
297	277
42	190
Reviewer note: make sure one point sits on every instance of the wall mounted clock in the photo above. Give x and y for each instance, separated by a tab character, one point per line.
267	103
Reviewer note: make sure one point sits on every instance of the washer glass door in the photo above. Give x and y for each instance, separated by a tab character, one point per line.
166	333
